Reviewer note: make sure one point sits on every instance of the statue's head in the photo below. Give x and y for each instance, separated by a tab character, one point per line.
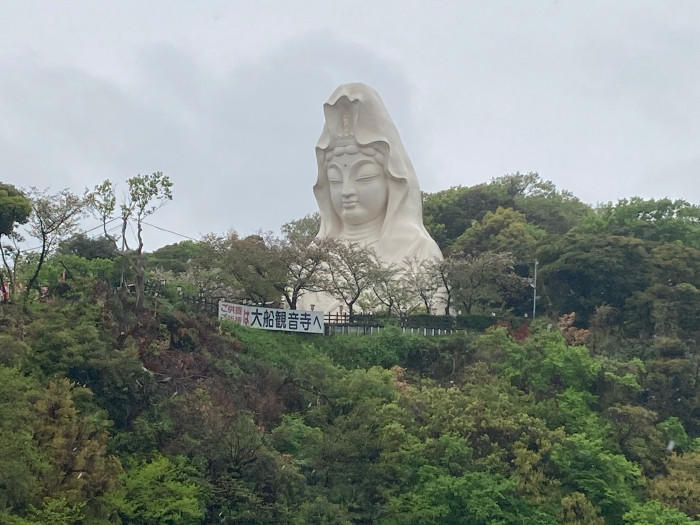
365	179
357	182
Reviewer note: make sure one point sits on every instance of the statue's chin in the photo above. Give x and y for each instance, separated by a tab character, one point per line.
357	217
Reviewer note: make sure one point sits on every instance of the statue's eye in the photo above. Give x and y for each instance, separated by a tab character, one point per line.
368	172
334	176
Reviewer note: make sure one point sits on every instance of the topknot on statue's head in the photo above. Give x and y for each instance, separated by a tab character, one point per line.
341	119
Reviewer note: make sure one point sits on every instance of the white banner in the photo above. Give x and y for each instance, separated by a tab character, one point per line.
305	321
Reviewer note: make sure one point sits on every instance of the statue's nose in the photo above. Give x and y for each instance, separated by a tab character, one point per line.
348	187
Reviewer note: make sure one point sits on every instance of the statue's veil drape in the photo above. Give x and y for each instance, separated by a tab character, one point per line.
358	108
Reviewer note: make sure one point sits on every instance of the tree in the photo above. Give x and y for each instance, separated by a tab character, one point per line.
544	206
581	272
350	271
147	193
654	513
446	270
662	220
633	429
609	480
424	282
680	487
504	230
303	263
484	279
258	269
174	257
302	230
75	444
157	492
449	213
21	462
54	216
83	246
15	208
102	202
392	290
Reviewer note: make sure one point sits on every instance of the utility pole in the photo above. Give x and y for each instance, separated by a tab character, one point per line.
534	292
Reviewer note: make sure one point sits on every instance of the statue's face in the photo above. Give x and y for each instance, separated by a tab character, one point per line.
359	188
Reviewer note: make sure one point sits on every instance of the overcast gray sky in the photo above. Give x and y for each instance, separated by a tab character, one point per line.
601	97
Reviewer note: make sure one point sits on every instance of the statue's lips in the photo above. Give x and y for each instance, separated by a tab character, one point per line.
350	204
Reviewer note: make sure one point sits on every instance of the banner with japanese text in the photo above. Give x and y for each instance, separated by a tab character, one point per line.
305	321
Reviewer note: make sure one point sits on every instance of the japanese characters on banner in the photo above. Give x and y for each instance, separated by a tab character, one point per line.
305	321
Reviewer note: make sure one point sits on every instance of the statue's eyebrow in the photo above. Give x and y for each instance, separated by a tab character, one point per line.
361	162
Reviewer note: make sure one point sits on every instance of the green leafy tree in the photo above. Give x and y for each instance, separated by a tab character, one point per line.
303	262
21	461
103	203
504	230
146	194
351	270
608	479
634	430
680	487
544	206
15	208
423	280
449	213
174	257
75	443
302	230
662	220
54	216
581	272
84	246
482	281
577	510
159	491
654	513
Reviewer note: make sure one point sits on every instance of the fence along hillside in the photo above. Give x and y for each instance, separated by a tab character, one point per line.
342	323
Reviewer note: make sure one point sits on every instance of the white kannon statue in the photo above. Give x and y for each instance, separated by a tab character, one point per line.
367	190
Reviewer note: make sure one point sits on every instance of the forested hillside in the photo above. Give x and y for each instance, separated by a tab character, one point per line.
123	401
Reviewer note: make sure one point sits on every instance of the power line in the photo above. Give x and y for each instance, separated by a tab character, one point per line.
36	248
115	228
170	231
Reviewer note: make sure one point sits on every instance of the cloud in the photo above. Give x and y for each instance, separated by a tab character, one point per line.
239	146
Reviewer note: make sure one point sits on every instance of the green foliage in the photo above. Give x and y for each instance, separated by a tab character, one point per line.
504	230
545	364
583	271
219	423
662	220
83	246
15	208
174	257
302	230
680	487
159	491
474	498
672	430
654	513
608	479
58	511
21	462
451	213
